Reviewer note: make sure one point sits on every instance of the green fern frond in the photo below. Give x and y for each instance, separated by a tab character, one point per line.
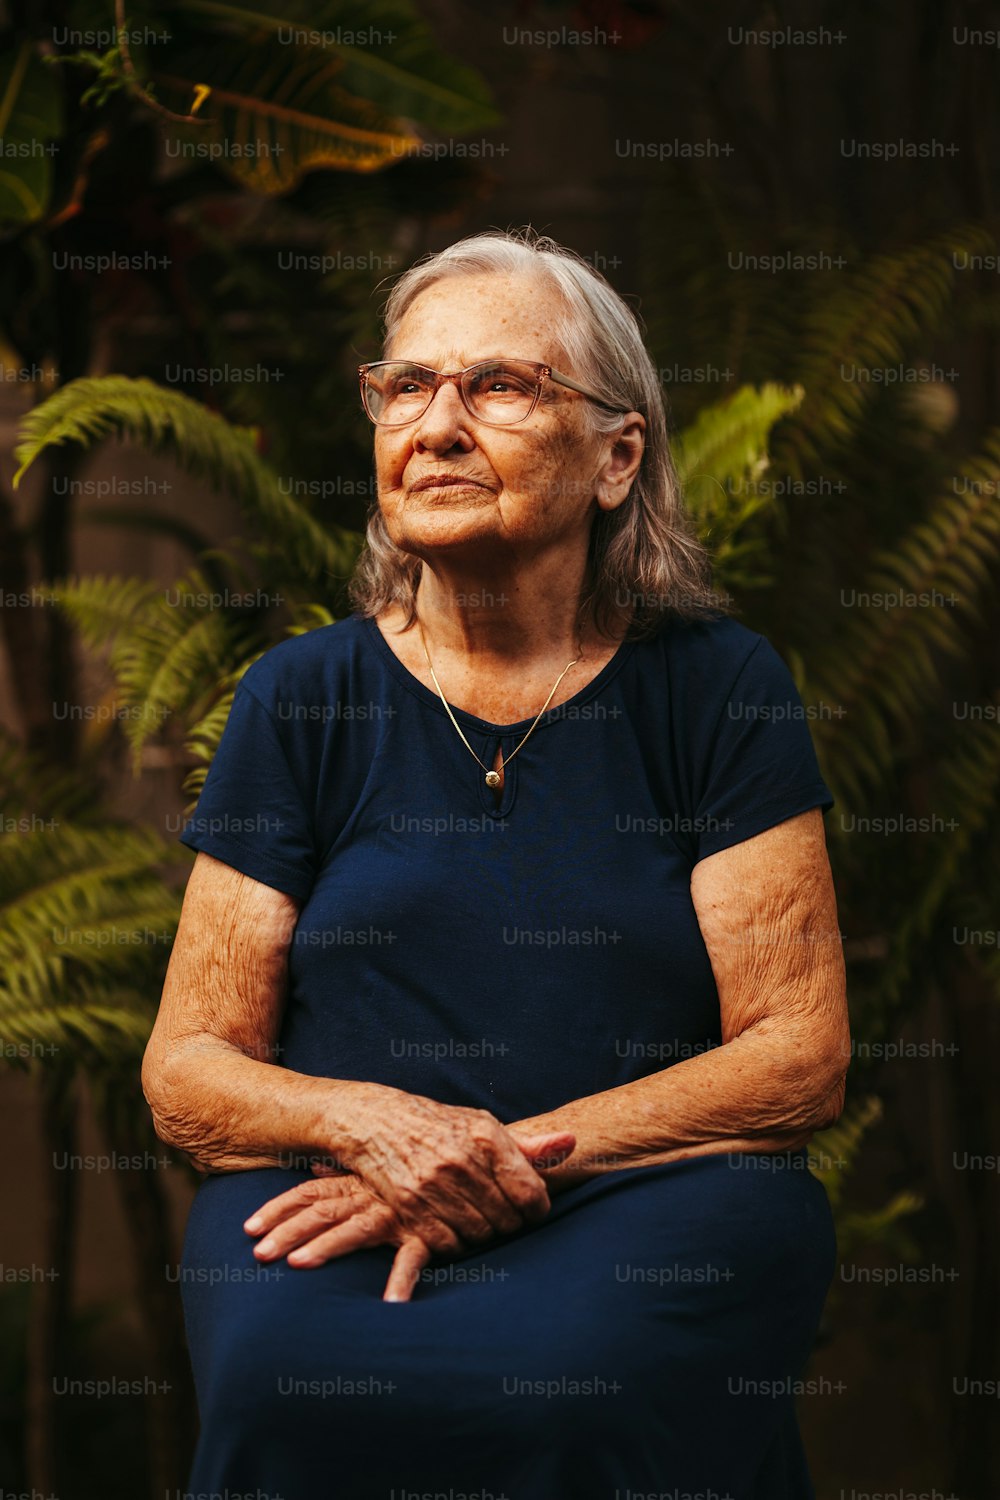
162	682
104	1023
167	647
34	794
204	735
880	1226
884	666
203	740
974	912
836	1150
89	411
868	320
965	800
100	607
728	440
721	458
308	617
77	901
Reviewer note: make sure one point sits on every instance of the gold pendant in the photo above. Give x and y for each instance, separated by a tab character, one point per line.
492	778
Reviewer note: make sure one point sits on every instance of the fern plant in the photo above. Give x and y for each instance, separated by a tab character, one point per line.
88	912
835	1153
883	533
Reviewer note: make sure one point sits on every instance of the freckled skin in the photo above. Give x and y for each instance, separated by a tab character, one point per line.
539	479
517	537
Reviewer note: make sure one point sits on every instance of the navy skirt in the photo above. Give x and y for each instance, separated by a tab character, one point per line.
648	1336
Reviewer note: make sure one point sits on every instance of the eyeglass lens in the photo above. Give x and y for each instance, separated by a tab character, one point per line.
499	392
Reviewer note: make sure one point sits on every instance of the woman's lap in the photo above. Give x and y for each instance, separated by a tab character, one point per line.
641	1339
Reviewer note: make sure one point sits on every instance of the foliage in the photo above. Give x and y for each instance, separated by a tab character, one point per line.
180	181
86	922
835	1153
721	459
884	539
266	96
165	421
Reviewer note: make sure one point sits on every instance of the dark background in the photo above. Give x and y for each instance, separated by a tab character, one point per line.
585	149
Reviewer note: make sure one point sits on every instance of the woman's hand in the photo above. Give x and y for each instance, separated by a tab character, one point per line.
317	1221
455	1177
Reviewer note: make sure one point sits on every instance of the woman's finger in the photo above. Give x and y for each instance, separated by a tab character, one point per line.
359	1233
474	1212
305	1195
411	1257
548	1149
312	1222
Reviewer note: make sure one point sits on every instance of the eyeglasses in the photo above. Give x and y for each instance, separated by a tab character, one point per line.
497	392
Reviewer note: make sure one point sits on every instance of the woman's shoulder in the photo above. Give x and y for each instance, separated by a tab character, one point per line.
715	644
704	666
310	662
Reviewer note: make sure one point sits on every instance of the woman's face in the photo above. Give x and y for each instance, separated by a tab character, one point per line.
530	486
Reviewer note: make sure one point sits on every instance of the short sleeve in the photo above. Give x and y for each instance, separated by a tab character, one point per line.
251	813
761	766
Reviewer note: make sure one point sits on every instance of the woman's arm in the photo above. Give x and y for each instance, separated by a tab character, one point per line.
217	1092
768	914
209	1073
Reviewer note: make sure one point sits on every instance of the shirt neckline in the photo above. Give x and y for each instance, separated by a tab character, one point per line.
426	695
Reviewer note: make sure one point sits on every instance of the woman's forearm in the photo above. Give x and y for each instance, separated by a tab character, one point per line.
229	1112
758	1092
209	1072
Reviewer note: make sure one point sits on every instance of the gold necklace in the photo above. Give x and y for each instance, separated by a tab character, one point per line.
492	777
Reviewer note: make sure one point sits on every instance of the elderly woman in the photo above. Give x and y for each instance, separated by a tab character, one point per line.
517	1004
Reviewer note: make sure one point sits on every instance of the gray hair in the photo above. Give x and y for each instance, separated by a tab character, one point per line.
644	559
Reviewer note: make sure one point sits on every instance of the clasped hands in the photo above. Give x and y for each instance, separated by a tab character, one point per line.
435	1179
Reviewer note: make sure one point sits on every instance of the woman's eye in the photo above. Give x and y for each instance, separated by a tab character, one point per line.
405	386
502	384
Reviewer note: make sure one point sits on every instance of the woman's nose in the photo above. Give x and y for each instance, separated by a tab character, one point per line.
444	419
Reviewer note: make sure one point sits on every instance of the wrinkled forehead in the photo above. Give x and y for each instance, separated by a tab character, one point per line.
459	320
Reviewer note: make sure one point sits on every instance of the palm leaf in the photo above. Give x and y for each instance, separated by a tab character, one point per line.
965	800
382	50
270	119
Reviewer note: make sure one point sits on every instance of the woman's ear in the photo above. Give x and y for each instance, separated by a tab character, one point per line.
622	465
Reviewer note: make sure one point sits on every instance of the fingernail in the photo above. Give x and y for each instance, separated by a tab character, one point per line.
265	1247
254	1222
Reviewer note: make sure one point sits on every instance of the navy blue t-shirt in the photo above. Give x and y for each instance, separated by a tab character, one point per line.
515	955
